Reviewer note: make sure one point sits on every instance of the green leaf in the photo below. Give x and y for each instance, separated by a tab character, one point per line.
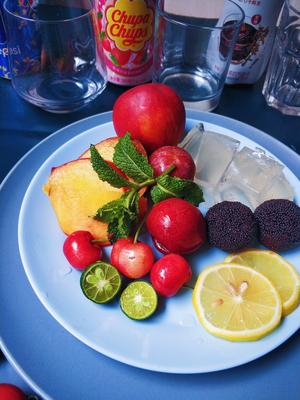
105	172
120	214
131	162
171	186
99	14
102	35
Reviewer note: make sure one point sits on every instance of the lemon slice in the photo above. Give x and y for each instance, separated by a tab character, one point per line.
236	302
280	272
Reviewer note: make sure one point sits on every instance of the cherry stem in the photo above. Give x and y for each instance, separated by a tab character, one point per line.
138	231
186	286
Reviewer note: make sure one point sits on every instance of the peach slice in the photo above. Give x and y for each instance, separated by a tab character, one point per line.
106	148
76	193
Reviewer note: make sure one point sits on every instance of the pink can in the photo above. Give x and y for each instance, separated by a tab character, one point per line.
126	39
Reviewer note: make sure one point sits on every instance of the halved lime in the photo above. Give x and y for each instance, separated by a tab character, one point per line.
138	300
100	282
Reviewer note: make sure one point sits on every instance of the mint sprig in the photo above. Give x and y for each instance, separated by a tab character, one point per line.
105	172
131	162
171	186
121	215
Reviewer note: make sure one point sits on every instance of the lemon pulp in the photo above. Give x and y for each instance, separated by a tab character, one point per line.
236	302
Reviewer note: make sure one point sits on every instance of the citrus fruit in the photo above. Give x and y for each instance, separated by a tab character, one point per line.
100	282
138	300
280	272
236	302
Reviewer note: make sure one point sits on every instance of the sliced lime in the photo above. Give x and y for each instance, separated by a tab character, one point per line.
100	282
138	300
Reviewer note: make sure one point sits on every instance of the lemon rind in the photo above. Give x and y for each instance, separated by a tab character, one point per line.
292	303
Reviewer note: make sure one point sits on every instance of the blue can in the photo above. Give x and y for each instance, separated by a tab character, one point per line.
4	65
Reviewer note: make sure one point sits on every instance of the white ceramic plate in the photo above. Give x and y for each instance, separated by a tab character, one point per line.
171	341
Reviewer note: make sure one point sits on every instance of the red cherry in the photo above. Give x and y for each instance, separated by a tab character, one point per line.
11	392
121	57
166	156
169	273
133	260
176	226
80	250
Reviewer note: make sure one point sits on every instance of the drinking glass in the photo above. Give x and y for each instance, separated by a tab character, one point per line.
52	47
282	84
192	53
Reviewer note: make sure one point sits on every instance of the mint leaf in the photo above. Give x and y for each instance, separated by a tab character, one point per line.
171	186
120	214
105	172
110	211
131	162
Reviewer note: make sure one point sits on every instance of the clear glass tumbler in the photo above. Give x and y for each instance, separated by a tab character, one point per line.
193	49
52	47
282	84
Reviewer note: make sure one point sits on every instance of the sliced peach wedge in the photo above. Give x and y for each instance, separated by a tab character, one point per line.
106	148
76	192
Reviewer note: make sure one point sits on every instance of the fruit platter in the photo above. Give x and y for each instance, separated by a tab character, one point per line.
154	257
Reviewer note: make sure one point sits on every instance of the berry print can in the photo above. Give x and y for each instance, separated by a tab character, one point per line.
254	41
126	29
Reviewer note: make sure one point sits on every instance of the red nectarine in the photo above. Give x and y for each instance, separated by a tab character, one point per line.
152	113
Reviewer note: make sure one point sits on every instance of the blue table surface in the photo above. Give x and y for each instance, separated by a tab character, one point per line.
22	126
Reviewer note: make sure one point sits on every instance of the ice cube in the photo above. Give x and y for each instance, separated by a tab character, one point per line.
233	191
252	169
215	154
192	141
279	188
209	197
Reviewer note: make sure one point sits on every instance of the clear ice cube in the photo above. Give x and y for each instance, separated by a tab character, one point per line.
233	191
252	169
192	141
279	188
215	154
249	176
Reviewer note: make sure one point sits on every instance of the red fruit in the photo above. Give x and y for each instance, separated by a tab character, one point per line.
80	250
176	226
153	113
11	392
169	273
133	260
106	44
120	57
166	156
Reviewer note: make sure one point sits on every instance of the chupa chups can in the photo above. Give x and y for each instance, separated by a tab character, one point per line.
254	42
126	29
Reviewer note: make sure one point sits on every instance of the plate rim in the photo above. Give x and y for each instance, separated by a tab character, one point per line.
217	120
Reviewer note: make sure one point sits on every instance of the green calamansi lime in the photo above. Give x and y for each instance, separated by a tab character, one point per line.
100	282
139	300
